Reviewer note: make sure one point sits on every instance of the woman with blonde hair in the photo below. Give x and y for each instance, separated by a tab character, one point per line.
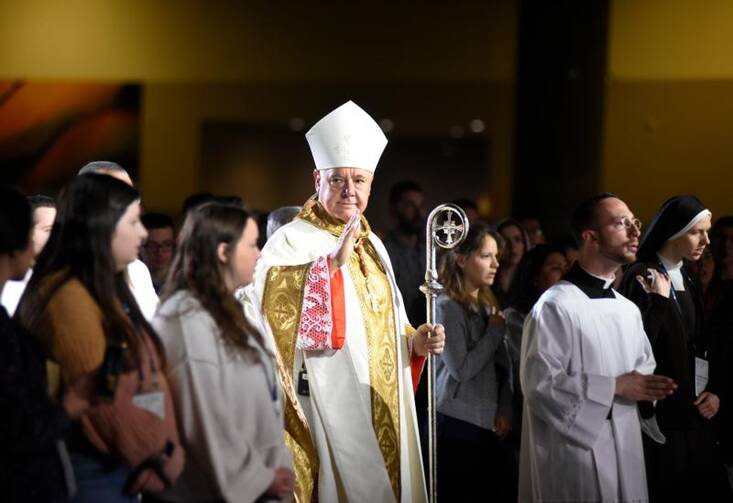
474	398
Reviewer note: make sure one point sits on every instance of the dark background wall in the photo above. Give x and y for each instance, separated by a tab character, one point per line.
560	93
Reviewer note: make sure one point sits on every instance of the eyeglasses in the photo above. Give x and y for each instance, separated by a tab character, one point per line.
628	223
153	247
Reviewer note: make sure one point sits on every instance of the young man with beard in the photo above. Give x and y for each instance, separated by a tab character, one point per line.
585	363
406	245
686	465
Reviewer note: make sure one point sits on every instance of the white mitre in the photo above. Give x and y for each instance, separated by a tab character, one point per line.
346	138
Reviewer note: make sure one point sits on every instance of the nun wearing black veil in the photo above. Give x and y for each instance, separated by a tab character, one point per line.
682	462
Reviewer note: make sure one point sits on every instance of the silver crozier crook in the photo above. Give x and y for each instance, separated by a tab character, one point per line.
447	227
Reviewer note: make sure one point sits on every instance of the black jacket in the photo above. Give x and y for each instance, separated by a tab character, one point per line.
720	335
30	422
673	350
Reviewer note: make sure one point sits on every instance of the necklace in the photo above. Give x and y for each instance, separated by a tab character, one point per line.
371	295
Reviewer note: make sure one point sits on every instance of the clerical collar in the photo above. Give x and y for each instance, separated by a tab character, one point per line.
593	286
675	272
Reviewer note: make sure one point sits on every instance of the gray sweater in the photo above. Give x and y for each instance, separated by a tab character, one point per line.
472	375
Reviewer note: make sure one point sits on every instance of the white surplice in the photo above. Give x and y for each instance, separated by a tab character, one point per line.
338	409
573	348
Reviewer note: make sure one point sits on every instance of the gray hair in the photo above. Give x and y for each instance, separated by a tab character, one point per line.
101	166
279	217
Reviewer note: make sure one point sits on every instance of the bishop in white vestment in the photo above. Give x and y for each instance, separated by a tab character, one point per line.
348	358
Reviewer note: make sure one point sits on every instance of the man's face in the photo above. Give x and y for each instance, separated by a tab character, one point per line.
43	218
691	244
617	237
343	191
410	212
157	251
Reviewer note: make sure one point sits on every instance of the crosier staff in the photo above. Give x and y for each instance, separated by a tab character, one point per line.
440	221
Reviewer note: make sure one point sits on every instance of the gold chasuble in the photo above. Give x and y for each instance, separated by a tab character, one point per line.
282	305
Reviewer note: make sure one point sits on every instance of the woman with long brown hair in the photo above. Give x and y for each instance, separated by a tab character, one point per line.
516	244
223	376
78	304
474	398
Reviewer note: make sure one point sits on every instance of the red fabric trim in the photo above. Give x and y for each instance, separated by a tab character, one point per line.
314	329
416	365
338	309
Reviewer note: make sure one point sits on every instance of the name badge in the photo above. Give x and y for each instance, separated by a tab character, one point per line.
701	375
153	402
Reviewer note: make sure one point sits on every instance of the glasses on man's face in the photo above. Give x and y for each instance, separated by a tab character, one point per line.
153	247
627	223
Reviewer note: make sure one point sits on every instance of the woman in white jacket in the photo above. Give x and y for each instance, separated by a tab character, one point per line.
222	375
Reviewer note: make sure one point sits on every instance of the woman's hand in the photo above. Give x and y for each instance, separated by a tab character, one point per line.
707	404
497	321
655	282
501	426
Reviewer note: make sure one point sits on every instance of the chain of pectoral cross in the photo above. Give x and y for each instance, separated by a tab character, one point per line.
373	300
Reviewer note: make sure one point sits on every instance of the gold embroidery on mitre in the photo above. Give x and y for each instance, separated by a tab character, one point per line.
282	303
372	286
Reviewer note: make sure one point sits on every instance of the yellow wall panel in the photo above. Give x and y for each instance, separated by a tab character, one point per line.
667	138
671	39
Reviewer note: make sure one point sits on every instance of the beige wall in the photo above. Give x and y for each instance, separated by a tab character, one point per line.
269	61
669	103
